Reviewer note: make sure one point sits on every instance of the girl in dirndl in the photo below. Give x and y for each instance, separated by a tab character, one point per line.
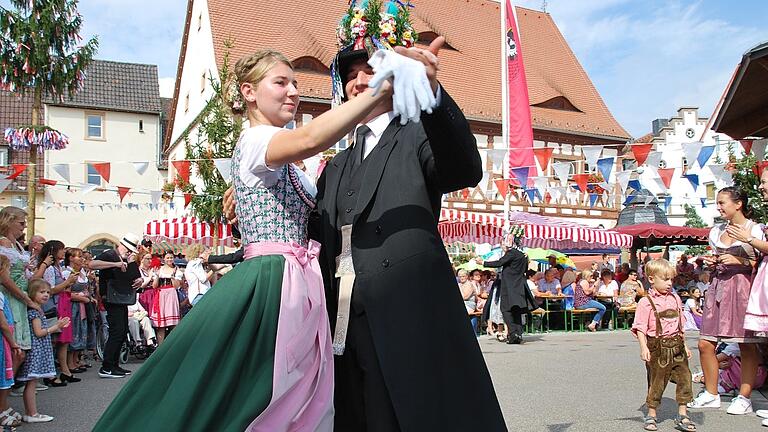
165	310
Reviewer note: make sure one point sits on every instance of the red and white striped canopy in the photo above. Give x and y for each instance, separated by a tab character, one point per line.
187	230
540	231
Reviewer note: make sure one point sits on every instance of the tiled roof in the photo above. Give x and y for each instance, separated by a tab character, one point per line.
469	26
14	112
647	138
118	86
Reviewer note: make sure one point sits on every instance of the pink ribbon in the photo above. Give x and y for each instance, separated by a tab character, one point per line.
304	255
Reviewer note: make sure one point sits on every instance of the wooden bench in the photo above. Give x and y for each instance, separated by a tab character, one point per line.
625	313
540	314
581	313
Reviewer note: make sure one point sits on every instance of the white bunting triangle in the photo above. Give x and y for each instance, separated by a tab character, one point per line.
4	183
691	152
497	158
155	196
225	168
648	199
140	167
556	193
722	176
62	170
622	178
87	188
653	160
591	154
562	169
758	148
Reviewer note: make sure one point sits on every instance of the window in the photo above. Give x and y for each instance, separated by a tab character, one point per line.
94	126
711	191
341	145
92	176
3	156
141	125
186	103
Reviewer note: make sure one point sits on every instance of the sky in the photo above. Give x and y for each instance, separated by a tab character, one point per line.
645	57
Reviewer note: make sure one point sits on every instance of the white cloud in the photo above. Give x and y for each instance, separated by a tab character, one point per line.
166	86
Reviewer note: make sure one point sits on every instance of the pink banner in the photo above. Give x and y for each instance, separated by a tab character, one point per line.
519	124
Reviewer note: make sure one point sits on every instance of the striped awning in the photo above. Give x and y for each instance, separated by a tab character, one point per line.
540	231
187	230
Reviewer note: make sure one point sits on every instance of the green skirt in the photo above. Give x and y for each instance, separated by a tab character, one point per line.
214	371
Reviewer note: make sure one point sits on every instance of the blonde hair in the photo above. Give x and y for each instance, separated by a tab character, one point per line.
8	215
35	286
586	274
252	69
194	251
5	263
660	267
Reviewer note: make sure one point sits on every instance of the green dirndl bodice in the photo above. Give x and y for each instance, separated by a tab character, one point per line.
19	261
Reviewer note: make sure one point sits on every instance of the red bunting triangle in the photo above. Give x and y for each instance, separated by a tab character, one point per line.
759	168
103	168
182	168
666	175
543	155
747	144
641	152
547	197
44	181
581	181
502	185
122	191
465	193
187	199
17	170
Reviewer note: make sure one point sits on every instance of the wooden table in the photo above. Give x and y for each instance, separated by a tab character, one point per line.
555	297
613	309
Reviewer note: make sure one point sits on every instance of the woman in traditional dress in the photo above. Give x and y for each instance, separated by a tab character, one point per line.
725	305
13	222
164	312
255	352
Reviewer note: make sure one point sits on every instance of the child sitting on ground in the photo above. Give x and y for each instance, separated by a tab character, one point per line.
658	327
729	360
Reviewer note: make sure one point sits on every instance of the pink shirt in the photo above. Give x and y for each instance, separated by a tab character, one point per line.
645	319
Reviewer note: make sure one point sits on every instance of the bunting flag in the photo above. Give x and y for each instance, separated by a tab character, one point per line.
503	186
623	179
581	181
653	160
605	166
758	148
547	198
45	181
691	152
759	168
694	179
641	152
517	104
562	169
4	183
720	174
182	169
483	185
521	174
17	170
705	154
103	168
63	171
122	192
86	188
635	184
591	153
628	200
543	155
747	144
666	176
496	156
592	199
703	203
667	202
140	167
531	193
541	184
465	193
155	196
557	193
188	198
224	166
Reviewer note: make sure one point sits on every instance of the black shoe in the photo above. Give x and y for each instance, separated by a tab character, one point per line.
78	370
515	340
68	378
53	383
123	371
103	373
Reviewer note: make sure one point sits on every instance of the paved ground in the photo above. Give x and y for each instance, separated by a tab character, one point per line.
554	382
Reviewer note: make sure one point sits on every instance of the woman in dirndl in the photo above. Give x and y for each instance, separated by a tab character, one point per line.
725	305
164	313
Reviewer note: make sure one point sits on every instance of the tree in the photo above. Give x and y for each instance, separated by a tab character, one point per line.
217	136
693	220
39	55
745	177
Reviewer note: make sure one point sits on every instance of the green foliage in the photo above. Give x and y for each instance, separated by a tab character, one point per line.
40	50
745	178
695	221
218	133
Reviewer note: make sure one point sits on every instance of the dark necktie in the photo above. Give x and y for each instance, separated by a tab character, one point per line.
359	150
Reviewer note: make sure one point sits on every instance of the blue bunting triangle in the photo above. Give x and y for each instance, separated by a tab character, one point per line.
605	166
694	179
521	174
635	184
592	199
667	202
704	203
531	194
628	200
704	154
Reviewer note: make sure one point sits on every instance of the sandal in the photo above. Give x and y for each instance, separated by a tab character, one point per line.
650	423
684	423
9	420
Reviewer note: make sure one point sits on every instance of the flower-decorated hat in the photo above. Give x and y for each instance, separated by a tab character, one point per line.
365	28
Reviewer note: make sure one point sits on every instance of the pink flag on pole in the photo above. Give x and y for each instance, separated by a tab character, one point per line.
519	110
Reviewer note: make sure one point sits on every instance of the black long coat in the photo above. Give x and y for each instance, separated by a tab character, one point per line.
514	286
404	277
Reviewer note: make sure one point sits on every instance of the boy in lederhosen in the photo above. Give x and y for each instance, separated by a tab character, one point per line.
658	327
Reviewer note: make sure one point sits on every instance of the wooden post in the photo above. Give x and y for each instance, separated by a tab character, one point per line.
32	168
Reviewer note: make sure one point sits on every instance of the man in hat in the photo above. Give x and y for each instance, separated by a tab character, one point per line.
119	276
384	266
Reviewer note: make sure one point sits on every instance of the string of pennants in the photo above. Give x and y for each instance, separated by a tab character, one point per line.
534	186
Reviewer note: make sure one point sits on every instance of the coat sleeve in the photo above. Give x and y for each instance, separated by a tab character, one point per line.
231	258
449	155
501	262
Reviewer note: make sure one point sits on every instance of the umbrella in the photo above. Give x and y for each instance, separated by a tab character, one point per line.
472	265
542	256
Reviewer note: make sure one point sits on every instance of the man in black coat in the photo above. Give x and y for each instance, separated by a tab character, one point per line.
388	188
516	298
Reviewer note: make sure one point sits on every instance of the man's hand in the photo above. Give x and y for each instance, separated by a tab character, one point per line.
645	354
137	283
428	57
229	205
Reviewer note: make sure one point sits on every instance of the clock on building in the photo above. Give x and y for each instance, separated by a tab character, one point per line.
690	132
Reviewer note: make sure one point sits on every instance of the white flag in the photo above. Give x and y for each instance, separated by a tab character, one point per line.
648	199
591	154
541	183
691	152
758	148
653	160
4	184
622	177
562	169
721	175
497	158
87	188
155	196
225	168
140	167
62	170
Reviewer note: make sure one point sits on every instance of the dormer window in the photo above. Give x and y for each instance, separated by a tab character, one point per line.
426	38
558	103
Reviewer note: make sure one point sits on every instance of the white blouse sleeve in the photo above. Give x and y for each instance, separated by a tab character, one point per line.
253	153
757	232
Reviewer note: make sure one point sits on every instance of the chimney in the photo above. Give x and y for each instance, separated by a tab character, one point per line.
658	124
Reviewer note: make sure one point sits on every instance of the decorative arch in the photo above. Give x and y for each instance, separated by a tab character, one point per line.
559	103
310	64
99	242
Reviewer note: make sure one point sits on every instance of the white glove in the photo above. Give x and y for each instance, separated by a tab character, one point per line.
412	92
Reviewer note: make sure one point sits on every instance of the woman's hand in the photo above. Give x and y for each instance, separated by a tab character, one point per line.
738	233
729	259
229	205
710	259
